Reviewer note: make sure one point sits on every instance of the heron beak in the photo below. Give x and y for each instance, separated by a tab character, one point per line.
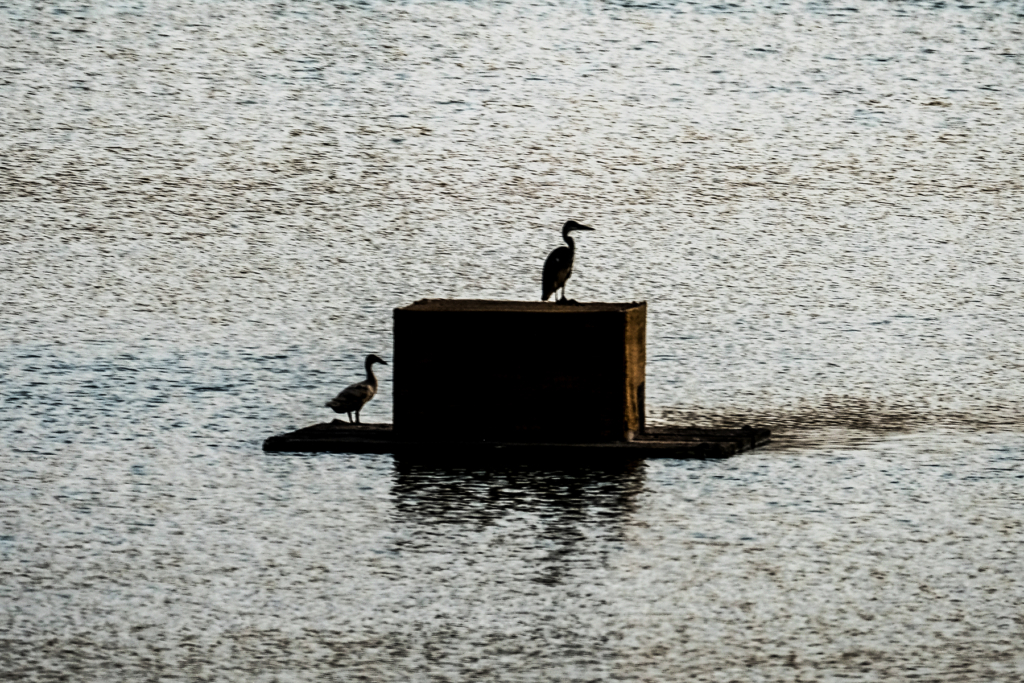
583	227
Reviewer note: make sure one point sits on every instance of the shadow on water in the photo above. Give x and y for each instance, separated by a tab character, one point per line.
557	512
846	422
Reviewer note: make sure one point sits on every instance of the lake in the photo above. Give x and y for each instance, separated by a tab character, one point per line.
209	210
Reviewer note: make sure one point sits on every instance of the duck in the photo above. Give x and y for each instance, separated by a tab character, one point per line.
354	397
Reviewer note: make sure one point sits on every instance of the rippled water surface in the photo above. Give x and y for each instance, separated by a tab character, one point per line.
208	211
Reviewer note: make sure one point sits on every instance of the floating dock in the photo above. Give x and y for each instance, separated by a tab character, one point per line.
516	381
654	442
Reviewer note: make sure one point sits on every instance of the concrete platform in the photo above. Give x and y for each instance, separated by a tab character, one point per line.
654	442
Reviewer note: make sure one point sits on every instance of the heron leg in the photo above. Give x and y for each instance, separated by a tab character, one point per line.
566	300
350	417
357	418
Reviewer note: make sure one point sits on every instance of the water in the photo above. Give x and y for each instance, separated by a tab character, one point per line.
208	211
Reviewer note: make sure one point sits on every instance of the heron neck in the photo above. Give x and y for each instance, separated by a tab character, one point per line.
570	242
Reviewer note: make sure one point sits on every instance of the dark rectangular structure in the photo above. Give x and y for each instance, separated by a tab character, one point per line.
523	372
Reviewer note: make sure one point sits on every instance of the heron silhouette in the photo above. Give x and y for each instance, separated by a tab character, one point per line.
558	266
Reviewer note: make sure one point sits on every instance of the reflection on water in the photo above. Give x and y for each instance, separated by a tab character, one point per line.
559	508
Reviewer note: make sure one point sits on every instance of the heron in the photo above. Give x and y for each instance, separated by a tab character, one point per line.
558	266
354	397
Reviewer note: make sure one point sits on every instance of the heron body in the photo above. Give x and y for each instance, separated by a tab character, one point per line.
354	397
558	266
